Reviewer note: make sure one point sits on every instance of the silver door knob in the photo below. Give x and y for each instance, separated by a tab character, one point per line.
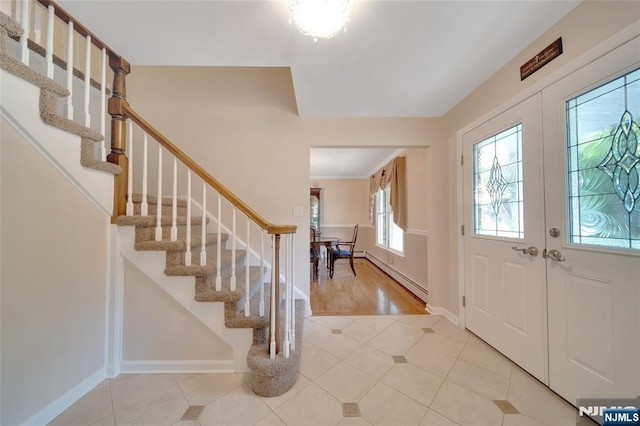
531	251
553	255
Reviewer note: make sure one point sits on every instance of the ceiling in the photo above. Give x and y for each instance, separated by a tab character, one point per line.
357	163
398	58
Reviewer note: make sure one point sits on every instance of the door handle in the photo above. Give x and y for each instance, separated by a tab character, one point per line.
553	255
531	251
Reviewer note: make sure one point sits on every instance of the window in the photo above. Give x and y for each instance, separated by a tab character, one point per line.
388	234
603	148
497	179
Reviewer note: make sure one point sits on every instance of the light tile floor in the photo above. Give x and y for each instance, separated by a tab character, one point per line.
378	370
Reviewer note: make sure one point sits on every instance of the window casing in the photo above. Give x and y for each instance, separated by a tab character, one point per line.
388	234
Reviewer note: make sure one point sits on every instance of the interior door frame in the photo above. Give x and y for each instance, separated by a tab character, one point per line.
587	57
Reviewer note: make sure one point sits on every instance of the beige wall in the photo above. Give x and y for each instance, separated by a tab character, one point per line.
587	25
241	125
156	327
343	201
54	251
417	193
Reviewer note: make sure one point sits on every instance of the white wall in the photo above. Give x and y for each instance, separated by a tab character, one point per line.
156	327
53	278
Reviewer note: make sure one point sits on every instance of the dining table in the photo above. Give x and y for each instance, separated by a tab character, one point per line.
327	243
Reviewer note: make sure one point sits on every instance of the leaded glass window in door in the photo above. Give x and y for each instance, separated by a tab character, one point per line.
498	185
603	140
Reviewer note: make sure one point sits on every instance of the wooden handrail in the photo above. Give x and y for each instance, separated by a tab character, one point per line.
197	169
77	26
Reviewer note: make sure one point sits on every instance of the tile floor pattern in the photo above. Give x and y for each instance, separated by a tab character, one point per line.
377	370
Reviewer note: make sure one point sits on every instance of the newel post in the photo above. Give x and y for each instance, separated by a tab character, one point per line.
117	106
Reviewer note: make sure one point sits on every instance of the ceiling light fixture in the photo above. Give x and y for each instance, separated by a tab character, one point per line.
320	18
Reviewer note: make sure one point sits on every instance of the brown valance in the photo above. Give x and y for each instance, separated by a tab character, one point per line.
393	174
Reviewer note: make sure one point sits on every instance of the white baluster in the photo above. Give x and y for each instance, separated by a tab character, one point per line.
103	103
87	82
287	298
187	254
219	246
272	327
15	10
144	207
203	234
36	24
70	70
49	49
129	210
24	38
261	273
247	286
292	254
174	205
159	199
232	283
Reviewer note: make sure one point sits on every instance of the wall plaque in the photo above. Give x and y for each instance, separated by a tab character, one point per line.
548	54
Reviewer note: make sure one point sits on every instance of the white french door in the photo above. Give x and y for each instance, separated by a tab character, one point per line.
503	218
555	284
592	192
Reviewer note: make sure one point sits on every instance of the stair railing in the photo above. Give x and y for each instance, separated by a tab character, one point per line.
134	159
41	20
76	52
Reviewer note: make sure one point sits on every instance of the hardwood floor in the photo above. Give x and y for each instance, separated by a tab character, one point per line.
371	292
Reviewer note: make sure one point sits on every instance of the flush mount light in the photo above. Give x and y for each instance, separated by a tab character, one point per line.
320	18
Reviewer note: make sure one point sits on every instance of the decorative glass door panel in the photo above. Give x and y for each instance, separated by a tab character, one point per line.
603	138
497	182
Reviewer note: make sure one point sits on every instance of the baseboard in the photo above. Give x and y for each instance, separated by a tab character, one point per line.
177	367
65	401
406	282
433	310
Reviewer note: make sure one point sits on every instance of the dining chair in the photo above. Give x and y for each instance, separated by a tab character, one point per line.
344	250
314	250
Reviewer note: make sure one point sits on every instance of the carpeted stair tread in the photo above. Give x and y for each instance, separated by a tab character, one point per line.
208	292
252	321
180	243
254	301
274	377
136	198
150	221
190	271
177	259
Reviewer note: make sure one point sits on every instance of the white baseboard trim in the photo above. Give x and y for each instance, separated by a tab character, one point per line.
177	366
55	408
406	282
433	310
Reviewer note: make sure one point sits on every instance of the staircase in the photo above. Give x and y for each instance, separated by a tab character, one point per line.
180	236
270	377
